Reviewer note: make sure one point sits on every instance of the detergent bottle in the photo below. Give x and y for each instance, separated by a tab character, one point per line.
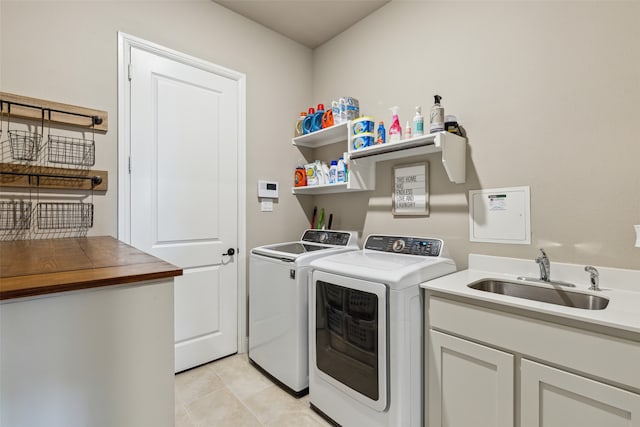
299	131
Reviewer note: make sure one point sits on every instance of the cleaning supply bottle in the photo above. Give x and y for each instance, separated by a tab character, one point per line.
307	122
300	177
335	107
407	130
418	122
299	130
381	137
437	116
342	105
316	124
395	131
341	175
333	172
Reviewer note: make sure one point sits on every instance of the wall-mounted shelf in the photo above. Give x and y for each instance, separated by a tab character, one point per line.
28	176
25	107
362	162
327	136
452	147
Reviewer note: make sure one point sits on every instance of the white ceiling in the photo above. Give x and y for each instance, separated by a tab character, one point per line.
309	22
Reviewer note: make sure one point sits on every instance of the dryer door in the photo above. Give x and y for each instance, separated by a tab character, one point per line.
349	346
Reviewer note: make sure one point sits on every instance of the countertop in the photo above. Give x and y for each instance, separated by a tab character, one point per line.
619	286
36	267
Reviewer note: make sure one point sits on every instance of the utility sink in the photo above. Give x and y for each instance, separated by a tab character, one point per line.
549	295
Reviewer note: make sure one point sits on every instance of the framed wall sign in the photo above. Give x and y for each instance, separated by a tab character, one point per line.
411	189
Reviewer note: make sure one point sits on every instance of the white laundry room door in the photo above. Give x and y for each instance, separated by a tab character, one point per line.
183	175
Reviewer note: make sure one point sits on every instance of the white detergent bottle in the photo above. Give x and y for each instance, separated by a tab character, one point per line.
333	172
341	175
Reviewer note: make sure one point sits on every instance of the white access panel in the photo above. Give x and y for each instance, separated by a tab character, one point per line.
500	215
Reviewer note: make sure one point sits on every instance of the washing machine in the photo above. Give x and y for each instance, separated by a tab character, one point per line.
365	331
278	304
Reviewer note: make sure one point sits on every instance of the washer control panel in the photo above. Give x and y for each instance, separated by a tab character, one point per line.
404	245
327	237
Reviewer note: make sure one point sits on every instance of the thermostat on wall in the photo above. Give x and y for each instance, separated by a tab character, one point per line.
267	189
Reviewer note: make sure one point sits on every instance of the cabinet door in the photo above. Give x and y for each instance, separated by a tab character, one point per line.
469	384
555	398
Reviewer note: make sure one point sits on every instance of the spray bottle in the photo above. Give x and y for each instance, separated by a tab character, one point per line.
437	116
395	130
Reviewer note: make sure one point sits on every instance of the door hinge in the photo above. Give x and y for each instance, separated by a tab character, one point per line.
129	165
292	273
130	71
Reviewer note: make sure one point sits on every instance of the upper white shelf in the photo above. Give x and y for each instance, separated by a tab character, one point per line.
326	136
452	146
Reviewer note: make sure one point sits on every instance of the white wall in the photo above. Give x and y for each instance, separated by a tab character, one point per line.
66	51
549	93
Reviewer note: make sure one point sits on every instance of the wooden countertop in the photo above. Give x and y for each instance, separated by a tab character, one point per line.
37	267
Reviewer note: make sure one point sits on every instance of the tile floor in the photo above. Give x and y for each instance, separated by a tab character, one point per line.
232	393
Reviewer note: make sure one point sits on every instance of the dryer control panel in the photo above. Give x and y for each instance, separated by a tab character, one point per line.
405	245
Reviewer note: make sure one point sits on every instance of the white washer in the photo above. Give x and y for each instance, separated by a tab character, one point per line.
278	304
365	331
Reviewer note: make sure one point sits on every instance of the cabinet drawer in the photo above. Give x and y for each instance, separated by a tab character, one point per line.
609	358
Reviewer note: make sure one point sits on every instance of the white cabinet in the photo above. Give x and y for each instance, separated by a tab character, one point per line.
469	384
362	162
481	370
555	398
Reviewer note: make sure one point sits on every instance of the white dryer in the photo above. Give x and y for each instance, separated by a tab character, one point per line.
365	331
278	304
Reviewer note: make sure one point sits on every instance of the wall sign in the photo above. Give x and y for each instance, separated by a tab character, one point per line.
411	189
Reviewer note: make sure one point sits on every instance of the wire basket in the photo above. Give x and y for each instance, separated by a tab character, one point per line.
15	215
65	216
71	151
25	145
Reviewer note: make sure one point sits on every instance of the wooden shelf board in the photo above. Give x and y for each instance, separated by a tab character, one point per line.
35	113
21	181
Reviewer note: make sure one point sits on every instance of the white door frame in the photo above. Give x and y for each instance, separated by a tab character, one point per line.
125	43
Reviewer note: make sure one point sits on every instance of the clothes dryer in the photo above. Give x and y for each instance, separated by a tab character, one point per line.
365	331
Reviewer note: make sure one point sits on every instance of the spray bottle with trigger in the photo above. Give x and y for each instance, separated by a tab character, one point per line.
395	130
437	116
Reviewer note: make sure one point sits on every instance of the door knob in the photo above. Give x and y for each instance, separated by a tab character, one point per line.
230	252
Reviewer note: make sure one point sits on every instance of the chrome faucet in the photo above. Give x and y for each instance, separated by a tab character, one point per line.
594	278
545	267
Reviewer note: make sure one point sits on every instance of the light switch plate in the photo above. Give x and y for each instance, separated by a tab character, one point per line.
266	205
637	227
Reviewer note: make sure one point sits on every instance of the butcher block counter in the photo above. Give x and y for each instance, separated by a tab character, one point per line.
86	334
36	267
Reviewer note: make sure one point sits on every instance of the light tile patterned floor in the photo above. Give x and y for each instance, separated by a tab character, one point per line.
232	393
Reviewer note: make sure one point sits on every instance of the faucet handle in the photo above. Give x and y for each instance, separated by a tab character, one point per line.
594	277
544	254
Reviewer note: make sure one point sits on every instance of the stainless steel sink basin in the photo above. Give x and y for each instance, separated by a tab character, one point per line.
546	294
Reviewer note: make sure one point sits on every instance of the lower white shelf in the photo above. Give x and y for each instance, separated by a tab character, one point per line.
342	187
